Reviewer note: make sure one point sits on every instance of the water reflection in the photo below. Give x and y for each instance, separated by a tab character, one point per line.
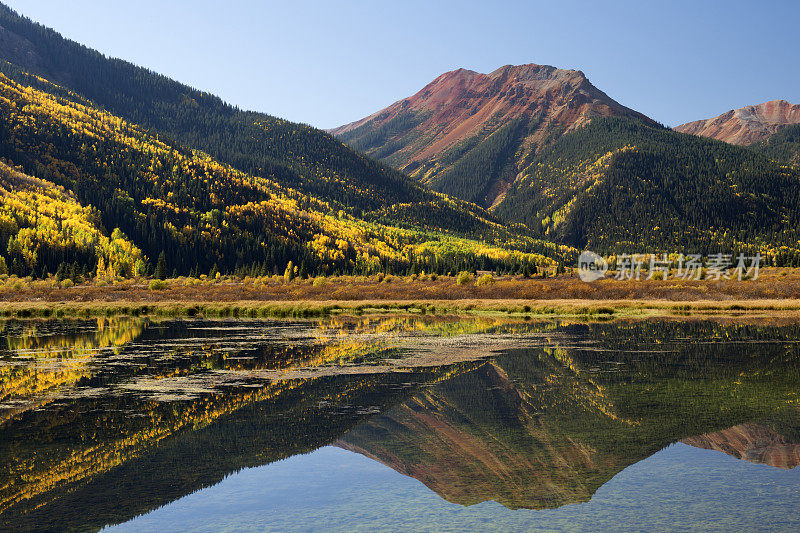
42	356
755	443
540	428
109	419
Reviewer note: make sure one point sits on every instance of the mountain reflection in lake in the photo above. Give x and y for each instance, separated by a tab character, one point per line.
109	419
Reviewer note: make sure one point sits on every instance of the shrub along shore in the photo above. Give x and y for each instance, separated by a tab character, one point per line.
777	290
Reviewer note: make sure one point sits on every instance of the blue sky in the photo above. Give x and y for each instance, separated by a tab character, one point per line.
328	63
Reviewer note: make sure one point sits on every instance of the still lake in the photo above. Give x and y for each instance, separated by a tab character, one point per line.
418	423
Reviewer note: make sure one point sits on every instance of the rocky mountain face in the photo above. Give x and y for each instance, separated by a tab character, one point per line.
468	134
747	125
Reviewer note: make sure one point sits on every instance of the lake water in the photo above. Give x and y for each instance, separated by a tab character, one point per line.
408	423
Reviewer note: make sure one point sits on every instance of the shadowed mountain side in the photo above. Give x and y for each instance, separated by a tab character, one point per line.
618	185
295	155
782	146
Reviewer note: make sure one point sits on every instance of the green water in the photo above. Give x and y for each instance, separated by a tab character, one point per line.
421	424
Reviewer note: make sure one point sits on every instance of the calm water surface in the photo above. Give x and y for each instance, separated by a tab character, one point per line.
423	424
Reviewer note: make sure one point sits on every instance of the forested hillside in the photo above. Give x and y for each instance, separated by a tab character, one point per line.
543	147
294	155
47	229
620	185
203	215
782	146
176	177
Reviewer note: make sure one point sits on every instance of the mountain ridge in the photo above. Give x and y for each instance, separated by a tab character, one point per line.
500	119
746	125
618	185
296	155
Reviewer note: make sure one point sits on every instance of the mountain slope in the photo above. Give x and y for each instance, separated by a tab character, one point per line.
782	146
200	212
621	185
294	155
44	225
747	125
467	134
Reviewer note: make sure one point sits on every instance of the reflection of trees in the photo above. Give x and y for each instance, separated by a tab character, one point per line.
157	451
39	360
534	427
48	454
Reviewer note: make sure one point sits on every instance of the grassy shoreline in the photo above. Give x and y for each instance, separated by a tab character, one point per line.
777	291
593	309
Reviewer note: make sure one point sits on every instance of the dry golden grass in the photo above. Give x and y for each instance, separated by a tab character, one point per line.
520	309
776	291
773	284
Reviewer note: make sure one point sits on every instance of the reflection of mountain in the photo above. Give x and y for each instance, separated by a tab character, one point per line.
468	454
533	427
751	442
542	428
